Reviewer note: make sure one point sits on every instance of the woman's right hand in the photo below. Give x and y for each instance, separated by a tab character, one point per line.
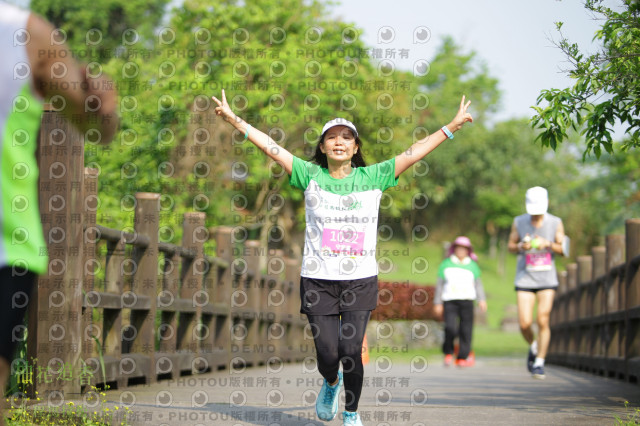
223	109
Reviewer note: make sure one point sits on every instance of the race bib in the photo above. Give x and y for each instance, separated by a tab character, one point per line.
538	261
345	241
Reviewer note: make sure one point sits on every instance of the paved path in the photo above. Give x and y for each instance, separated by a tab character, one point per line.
494	392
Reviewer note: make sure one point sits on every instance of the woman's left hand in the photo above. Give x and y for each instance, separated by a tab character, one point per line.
461	117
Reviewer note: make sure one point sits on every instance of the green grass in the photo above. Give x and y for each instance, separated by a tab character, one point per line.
21	411
632	416
402	256
487	343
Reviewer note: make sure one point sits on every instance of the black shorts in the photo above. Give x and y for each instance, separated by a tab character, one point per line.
16	285
535	290
331	297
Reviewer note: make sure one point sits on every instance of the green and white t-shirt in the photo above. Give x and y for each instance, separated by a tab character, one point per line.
22	243
341	218
458	280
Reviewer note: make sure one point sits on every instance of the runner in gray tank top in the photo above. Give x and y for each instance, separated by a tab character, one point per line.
537	238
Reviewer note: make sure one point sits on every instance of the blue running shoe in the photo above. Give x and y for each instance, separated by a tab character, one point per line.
327	402
530	359
351	418
538	373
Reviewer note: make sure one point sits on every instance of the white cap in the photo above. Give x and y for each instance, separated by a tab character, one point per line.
536	200
339	122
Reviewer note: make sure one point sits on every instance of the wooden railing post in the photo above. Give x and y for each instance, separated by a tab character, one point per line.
559	311
55	312
222	334
598	254
247	301
193	237
614	290
583	330
614	257
144	286
112	318
572	305
291	313
558	343
584	271
166	304
275	301
597	293
91	265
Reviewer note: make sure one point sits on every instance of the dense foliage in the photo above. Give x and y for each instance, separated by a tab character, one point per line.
607	87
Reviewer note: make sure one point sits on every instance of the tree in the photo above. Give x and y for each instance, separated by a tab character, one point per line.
286	69
95	29
601	201
446	176
607	86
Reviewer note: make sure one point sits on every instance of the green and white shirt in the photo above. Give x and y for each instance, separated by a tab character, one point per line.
458	280
341	219
22	242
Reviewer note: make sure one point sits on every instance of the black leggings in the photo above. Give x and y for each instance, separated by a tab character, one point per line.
15	291
339	338
455	310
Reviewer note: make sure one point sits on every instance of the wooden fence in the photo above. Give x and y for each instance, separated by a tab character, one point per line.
595	321
122	307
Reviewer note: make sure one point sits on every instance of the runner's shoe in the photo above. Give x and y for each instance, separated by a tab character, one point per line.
538	373
471	358
448	360
530	359
351	418
327	402
464	363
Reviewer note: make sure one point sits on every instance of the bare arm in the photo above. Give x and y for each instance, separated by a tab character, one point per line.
421	148
515	245
556	245
90	103
480	295
258	138
438	308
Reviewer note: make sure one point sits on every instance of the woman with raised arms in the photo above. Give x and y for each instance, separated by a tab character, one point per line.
339	272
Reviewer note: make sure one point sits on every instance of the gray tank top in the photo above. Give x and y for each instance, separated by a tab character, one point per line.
537	268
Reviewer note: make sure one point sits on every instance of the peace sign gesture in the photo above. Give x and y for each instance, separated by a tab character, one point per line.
461	117
223	109
253	135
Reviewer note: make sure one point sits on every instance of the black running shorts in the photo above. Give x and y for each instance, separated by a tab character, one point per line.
331	297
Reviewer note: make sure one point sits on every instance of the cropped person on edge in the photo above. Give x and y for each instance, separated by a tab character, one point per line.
536	237
34	69
339	275
457	288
